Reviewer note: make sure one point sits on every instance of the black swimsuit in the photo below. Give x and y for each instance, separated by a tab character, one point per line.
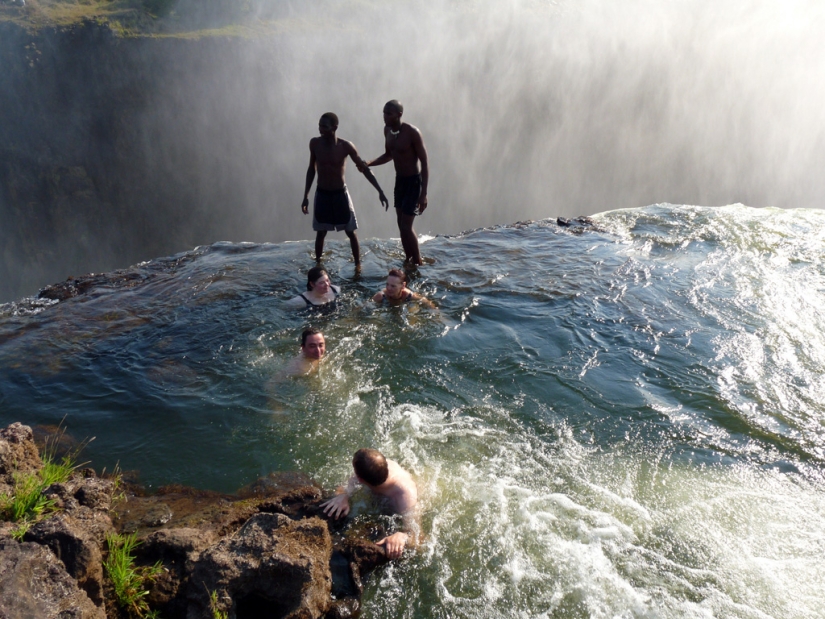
311	304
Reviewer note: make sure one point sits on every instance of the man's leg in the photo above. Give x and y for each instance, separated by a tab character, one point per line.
409	240
353	243
319	244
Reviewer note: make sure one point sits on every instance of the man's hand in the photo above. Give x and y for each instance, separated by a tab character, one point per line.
394	544
422	204
305	206
337	506
384	201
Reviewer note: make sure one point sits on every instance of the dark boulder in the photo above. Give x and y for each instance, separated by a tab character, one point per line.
34	584
273	566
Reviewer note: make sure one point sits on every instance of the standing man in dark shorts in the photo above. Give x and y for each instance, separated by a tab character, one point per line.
333	208
405	147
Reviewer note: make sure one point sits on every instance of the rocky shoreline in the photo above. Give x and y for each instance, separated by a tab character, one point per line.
266	551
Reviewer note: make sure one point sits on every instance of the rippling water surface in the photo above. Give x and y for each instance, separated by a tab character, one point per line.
624	421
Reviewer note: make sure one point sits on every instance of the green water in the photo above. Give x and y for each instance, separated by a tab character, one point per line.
623	421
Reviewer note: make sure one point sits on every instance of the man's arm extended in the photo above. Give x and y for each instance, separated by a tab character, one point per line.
310	178
364	169
386	157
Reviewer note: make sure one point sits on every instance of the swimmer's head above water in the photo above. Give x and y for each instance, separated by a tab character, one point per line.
313	345
318	280
396	283
370	466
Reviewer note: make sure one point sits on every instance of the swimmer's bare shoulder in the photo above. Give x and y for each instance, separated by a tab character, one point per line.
404	494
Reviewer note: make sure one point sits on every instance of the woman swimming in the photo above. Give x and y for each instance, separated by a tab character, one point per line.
396	291
320	291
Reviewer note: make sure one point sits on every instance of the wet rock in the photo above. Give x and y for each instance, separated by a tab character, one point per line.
75	286
578	225
363	557
179	506
33	583
273	565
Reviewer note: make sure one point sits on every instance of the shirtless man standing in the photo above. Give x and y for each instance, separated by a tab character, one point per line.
385	478
333	208
405	147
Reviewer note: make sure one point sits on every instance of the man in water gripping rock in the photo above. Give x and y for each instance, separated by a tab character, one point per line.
333	208
386	479
405	147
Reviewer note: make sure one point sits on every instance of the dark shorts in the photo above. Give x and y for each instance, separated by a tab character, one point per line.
407	192
332	210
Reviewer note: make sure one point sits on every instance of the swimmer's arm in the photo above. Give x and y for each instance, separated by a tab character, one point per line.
423	301
338	505
379	296
408	537
295	303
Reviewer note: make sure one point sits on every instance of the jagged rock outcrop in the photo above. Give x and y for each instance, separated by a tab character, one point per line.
266	551
273	565
18	454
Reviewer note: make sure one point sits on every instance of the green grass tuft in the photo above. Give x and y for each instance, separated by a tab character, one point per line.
217	613
129	581
27	504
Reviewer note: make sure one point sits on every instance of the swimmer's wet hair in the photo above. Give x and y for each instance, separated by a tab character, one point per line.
332	116
314	274
399	274
396	104
307	333
371	466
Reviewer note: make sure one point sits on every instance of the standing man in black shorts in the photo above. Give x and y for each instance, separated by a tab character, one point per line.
333	208
405	147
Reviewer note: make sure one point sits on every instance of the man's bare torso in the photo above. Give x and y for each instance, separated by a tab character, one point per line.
330	162
402	149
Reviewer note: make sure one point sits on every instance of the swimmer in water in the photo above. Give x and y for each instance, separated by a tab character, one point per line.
313	349
397	293
386	479
320	291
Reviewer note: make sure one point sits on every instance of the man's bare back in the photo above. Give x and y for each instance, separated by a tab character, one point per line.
394	484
